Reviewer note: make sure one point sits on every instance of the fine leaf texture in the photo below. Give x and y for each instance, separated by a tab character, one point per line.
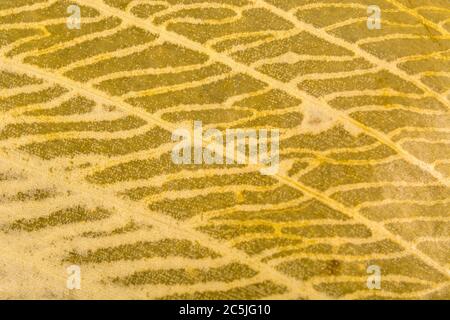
86	175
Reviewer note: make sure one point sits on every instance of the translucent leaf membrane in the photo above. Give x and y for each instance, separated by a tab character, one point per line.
87	178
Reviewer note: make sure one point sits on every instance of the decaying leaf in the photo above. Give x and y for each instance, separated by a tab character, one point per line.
86	176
